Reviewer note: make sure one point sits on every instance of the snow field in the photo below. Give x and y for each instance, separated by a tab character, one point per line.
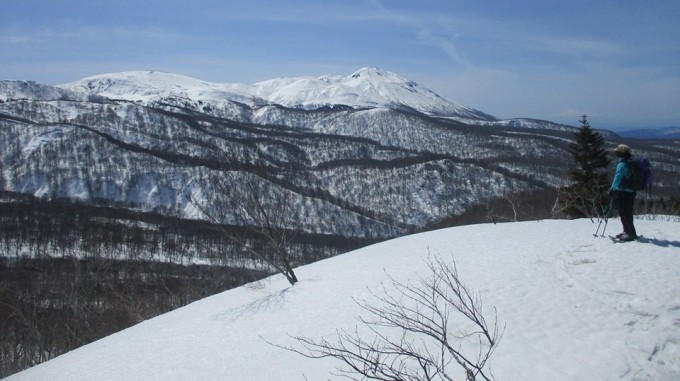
571	306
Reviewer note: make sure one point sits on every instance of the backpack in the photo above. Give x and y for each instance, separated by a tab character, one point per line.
640	172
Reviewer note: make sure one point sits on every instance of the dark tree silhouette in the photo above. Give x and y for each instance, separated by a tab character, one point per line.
586	196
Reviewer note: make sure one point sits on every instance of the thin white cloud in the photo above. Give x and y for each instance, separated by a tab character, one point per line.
48	37
432	29
470	39
20	40
445	43
576	47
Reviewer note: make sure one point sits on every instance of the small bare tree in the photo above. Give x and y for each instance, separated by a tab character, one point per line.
262	212
425	346
506	208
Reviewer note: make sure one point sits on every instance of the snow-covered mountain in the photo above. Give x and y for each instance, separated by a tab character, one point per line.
14	90
369	154
149	86
367	87
571	307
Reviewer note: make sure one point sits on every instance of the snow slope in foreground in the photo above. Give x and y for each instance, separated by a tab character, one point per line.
574	306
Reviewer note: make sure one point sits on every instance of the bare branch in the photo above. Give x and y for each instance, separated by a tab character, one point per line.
408	333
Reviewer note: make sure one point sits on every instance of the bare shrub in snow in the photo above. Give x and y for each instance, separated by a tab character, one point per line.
430	329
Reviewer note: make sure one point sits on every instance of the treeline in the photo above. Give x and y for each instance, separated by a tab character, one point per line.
659	205
71	273
49	306
542	204
37	228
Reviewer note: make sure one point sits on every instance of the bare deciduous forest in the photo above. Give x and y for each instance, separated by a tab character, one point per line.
72	273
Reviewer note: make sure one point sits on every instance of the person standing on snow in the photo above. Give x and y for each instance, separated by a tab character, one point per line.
623	194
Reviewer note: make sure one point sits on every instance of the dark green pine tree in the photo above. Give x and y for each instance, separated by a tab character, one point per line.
587	196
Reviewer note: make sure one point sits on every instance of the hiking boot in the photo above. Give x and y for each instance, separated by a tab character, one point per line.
627	238
620	235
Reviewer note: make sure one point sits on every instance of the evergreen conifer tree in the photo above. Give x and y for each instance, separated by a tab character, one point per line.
586	196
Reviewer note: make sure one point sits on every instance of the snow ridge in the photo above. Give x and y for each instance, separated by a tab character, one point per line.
571	306
14	90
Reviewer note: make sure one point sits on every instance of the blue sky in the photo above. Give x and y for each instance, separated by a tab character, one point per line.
616	61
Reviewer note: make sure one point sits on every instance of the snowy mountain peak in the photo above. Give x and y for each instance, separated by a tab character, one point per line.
388	84
397	90
374	73
366	87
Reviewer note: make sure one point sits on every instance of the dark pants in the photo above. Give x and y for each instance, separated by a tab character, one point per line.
624	204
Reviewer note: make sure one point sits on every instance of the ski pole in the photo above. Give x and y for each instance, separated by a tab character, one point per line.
607	212
605	225
600	224
605	217
598	227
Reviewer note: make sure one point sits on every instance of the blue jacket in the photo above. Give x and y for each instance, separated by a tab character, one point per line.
622	178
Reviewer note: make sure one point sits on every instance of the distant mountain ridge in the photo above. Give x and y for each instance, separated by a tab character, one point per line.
367	87
652	133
